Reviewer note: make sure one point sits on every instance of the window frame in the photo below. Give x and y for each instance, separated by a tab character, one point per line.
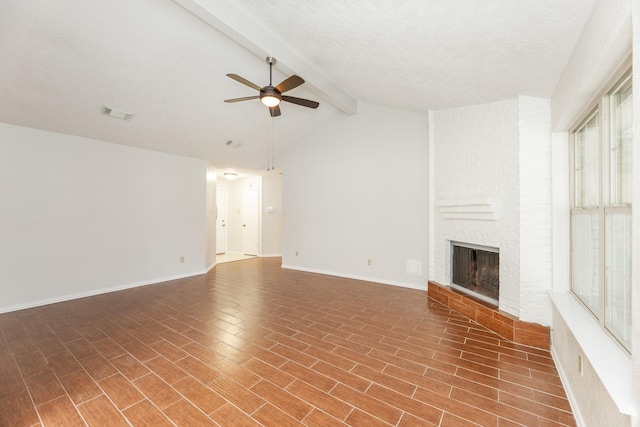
601	108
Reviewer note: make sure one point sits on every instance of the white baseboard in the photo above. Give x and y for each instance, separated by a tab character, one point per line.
356	277
94	292
270	255
567	388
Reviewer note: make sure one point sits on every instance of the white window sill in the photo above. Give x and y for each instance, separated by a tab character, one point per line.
610	363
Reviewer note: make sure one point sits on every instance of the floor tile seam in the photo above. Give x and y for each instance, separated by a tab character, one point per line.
291	395
550	360
475	423
561	389
188	401
498	365
539	367
497	388
470	405
74	407
318	390
397	365
535	402
165	382
303	422
446	358
33	403
470	348
316	345
538	416
186	374
286	345
383	403
552	396
354	408
152	404
372	382
499	412
104	393
82	368
499	349
230	379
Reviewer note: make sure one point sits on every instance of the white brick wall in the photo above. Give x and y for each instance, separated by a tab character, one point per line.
498	154
534	124
476	158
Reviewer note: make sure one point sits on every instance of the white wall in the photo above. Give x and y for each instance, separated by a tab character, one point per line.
212	179
271	221
605	43
356	189
635	266
80	216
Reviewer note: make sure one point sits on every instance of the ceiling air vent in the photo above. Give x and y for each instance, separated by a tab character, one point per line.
233	144
118	114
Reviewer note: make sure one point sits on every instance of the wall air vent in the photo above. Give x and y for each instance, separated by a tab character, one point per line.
233	144
118	114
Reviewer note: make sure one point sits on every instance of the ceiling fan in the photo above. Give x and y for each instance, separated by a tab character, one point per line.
272	95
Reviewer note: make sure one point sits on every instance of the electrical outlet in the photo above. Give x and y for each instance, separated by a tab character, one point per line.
369	261
182	260
580	365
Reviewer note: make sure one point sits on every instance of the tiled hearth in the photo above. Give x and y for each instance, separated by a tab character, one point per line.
490	317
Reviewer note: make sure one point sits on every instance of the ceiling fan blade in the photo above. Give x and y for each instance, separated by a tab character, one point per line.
274	111
244	81
290	83
246	98
301	101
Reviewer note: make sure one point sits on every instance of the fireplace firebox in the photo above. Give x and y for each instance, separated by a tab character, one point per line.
476	270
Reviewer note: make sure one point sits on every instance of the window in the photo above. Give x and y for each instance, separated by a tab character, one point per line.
601	210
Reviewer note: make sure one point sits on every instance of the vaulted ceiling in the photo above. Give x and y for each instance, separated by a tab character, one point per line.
166	61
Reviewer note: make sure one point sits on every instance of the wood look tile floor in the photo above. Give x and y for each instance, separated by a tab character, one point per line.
250	344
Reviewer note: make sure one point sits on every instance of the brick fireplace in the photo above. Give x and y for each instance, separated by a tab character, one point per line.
490	186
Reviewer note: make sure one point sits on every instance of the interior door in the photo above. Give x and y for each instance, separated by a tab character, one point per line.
250	221
221	221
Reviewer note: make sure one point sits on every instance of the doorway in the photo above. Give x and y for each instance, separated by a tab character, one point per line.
250	221
221	221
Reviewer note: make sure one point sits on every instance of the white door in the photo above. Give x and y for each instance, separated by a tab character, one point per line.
221	221
250	231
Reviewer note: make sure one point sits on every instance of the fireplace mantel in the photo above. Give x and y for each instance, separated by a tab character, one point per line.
481	209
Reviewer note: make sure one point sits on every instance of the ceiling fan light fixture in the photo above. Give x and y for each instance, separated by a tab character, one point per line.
230	175
270	96
270	100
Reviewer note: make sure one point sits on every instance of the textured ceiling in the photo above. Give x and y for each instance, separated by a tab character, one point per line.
61	61
434	54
